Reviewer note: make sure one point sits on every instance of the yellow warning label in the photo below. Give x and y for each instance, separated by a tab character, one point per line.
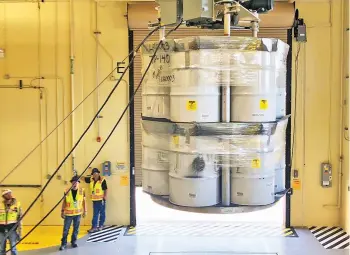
191	105
124	180
256	163
264	104
296	185
176	139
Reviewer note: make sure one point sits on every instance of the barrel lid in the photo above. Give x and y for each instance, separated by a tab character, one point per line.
219	42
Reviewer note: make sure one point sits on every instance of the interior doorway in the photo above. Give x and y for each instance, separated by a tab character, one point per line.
143	208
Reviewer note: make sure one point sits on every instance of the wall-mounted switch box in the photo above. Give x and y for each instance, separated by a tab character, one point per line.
326	175
2	53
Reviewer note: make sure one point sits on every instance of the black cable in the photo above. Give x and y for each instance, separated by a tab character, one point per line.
77	143
32	151
98	152
295	103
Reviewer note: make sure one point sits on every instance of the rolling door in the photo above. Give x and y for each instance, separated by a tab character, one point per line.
139	35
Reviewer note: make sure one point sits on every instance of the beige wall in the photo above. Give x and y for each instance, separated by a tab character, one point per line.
27	118
346	170
37	45
318	117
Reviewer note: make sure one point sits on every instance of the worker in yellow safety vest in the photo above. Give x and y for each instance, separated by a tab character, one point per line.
98	192
73	207
10	214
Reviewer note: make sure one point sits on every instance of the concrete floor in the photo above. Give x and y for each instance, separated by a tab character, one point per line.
149	211
170	239
305	244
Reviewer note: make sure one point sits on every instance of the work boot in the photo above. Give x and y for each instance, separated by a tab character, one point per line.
74	245
93	230
62	247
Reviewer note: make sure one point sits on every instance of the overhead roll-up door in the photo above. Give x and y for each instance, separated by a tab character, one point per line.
274	26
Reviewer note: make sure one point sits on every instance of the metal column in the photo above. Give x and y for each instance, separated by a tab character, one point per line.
225	114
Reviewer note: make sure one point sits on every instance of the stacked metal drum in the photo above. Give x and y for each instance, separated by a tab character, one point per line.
185	144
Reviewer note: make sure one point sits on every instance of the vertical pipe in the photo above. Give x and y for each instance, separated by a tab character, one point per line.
72	50
255	28
227	21
132	135
289	127
46	157
225	114
97	33
162	29
341	119
57	86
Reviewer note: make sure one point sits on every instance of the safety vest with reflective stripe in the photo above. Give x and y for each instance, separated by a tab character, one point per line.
72	207
97	193
9	215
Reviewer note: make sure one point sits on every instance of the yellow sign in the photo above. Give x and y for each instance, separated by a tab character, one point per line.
124	180
121	165
256	163
191	105
264	104
176	139
296	185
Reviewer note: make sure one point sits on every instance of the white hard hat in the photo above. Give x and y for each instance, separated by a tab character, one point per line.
6	191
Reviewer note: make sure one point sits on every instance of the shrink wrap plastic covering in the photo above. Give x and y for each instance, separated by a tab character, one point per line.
206	61
251	145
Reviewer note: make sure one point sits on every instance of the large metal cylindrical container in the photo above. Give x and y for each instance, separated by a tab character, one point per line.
193	165
194	192
279	141
250	143
186	139
194	179
156	102
248	104
155	182
155	170
280	179
253	91
195	104
255	160
281	102
252	188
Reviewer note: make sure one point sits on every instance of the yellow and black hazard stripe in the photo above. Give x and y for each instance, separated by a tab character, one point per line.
202	229
334	238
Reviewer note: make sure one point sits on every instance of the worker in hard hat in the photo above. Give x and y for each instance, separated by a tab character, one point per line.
73	208
98	192
10	215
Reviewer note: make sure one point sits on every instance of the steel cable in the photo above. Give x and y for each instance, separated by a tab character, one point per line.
100	149
80	138
37	146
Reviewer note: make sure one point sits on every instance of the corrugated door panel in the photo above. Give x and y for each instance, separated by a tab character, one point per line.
139	35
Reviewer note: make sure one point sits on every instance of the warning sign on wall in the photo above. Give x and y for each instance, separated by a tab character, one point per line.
296	184
124	180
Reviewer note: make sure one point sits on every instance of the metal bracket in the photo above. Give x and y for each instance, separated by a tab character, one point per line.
244	14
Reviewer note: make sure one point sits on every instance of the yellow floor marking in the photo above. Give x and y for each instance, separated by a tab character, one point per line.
289	233
46	236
